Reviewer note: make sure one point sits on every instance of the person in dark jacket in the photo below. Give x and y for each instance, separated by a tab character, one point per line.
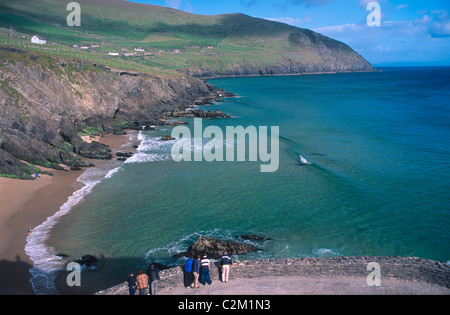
188	273
153	279
196	272
131	282
226	263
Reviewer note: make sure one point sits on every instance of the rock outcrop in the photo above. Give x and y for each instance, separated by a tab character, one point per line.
214	248
48	104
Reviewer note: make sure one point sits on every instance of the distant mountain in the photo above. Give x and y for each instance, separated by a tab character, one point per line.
199	45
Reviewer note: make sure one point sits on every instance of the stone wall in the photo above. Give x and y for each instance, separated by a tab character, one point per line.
409	268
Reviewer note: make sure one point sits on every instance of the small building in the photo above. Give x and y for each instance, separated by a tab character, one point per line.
113	54
176	51
38	40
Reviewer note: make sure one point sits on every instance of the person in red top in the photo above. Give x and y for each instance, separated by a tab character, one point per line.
142	282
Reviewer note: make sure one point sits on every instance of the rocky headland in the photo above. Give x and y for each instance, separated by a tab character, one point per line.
48	104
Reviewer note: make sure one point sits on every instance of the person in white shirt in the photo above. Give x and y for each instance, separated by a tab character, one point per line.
205	277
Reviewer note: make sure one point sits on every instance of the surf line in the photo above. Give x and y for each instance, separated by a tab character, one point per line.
235	143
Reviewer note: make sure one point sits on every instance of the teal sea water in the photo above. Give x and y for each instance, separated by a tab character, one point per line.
364	170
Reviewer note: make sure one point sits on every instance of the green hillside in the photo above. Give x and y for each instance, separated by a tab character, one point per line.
168	39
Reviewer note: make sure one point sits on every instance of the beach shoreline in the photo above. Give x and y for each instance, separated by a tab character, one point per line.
27	204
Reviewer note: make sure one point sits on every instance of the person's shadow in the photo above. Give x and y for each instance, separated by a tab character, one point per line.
15	277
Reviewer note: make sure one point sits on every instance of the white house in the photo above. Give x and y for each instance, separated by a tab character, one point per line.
113	54
38	40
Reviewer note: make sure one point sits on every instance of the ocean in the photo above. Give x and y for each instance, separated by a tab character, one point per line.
364	170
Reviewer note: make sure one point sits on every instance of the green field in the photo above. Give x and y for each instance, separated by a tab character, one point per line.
170	39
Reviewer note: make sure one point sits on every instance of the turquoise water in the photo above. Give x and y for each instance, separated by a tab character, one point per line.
364	170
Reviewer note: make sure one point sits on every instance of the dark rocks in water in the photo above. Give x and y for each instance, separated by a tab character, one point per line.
210	114
255	238
121	159
75	168
167	138
214	248
148	128
87	260
184	113
125	154
178	122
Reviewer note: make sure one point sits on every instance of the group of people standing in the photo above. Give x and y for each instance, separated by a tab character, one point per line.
144	281
197	270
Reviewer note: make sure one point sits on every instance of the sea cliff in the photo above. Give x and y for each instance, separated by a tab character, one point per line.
48	104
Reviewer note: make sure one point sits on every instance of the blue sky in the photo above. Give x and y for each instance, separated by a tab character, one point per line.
411	32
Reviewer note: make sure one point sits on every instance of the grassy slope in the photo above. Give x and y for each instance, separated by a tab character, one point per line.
217	42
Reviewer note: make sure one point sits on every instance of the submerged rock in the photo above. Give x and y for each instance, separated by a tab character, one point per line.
87	260
167	138
255	238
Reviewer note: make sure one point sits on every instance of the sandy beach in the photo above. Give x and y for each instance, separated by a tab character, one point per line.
26	204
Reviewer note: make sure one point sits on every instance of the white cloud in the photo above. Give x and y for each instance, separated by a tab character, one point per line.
286	20
174	4
421	40
436	21
335	29
401	6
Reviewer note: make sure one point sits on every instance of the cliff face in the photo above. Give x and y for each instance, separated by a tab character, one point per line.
47	103
310	53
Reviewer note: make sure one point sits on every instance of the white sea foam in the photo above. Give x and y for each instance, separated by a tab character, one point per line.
112	172
153	149
325	252
304	161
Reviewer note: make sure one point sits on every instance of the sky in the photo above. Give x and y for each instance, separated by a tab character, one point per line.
410	32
